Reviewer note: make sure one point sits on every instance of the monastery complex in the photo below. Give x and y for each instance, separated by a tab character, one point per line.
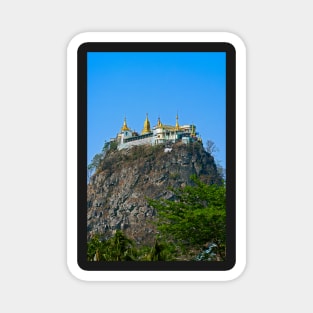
159	134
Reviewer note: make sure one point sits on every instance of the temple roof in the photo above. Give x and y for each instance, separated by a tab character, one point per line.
125	127
146	126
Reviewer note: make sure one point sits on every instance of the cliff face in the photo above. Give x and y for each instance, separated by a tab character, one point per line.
117	193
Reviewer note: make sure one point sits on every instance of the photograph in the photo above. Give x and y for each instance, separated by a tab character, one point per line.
156	156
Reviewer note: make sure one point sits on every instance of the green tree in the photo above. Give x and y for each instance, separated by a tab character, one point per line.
117	248
160	251
113	146
95	249
120	248
195	218
97	159
106	147
94	164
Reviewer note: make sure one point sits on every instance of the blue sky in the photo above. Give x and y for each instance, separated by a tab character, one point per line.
162	84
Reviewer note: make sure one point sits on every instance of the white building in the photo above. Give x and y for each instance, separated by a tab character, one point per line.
159	134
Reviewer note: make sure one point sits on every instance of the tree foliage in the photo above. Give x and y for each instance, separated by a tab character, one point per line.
121	248
117	248
191	226
95	162
160	251
196	218
99	157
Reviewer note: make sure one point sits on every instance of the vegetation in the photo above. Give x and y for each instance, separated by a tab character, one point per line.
117	248
121	248
160	251
94	164
192	227
211	147
196	219
97	160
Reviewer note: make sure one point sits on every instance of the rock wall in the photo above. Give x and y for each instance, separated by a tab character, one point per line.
117	193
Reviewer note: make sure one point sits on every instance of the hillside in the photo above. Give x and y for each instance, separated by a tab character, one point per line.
117	193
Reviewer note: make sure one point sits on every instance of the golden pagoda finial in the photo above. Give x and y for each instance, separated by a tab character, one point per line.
177	125
146	126
193	129
159	122
125	127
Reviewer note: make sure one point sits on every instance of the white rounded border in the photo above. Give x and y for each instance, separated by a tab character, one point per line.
239	46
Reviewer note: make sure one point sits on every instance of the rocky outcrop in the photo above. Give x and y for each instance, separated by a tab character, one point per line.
117	193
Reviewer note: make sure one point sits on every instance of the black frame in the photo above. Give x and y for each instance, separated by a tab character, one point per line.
230	155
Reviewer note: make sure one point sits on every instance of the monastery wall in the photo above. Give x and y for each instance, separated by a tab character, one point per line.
144	141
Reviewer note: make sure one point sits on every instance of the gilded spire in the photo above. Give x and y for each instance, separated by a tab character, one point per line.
193	129
177	125
159	122
146	126
125	127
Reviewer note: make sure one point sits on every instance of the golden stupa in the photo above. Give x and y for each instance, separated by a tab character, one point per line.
125	127
146	126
